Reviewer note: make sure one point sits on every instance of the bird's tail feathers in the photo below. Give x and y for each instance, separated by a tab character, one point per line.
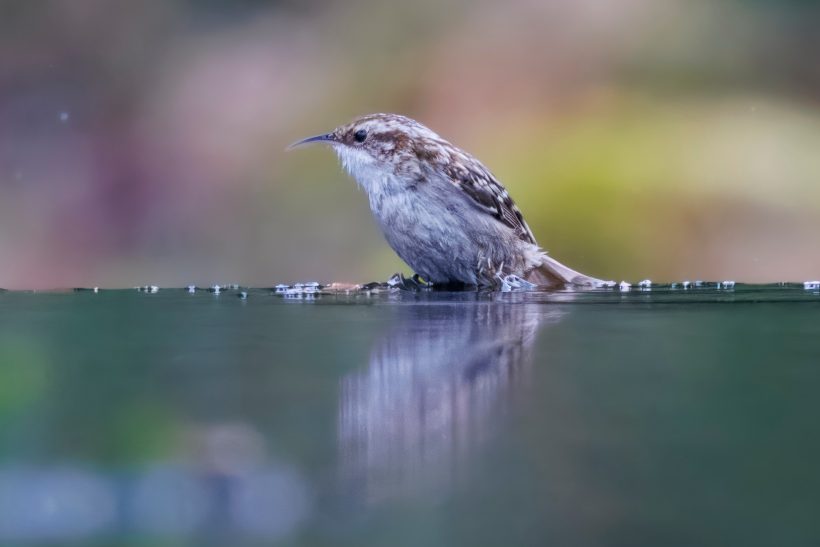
552	273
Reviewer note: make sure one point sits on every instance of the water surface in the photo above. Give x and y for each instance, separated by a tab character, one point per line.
659	417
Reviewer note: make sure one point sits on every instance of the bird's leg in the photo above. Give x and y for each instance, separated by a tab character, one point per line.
398	281
420	281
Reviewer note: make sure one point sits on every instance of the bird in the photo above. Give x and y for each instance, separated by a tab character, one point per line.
440	209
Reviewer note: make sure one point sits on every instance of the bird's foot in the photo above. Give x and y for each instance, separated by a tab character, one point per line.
398	281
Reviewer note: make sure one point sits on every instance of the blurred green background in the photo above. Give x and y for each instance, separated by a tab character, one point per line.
143	142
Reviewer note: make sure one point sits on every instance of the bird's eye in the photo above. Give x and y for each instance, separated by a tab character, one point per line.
360	135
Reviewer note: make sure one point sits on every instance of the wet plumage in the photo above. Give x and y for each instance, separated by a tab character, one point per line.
441	209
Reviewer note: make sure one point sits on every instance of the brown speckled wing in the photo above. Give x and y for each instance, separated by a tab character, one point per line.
488	194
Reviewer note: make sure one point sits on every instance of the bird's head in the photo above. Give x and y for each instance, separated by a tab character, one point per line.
379	144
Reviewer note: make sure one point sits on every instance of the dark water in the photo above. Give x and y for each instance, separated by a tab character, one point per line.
661	417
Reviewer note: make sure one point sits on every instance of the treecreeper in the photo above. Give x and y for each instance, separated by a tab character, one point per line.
440	208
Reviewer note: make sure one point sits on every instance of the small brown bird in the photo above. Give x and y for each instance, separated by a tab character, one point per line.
439	208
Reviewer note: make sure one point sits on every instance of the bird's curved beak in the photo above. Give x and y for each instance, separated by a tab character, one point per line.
327	137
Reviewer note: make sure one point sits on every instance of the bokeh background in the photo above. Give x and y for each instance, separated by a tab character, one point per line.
143	142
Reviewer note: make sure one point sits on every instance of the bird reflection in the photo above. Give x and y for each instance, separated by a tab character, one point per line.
430	397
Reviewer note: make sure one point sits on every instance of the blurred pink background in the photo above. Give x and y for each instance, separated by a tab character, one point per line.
143	142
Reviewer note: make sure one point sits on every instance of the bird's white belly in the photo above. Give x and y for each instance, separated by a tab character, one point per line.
435	237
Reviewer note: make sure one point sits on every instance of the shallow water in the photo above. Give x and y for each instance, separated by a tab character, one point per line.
659	417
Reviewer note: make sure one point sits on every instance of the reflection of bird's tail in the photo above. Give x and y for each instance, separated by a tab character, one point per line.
552	273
